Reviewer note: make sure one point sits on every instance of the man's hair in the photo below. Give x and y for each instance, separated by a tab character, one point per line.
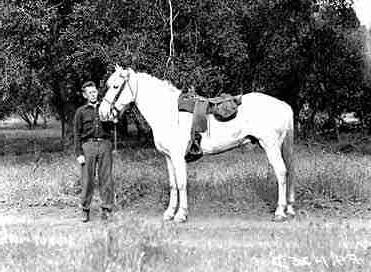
88	84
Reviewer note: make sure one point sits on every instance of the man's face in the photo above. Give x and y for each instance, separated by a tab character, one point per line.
91	94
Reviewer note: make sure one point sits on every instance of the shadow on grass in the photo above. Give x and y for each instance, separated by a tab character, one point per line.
235	182
31	145
240	182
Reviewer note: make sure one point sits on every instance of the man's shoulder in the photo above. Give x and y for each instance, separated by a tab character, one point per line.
81	108
79	111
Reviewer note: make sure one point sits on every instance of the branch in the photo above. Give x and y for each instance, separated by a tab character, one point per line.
171	47
23	114
99	46
6	78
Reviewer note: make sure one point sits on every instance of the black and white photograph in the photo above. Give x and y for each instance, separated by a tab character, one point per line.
195	135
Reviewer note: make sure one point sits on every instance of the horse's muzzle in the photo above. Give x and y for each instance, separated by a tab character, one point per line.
105	111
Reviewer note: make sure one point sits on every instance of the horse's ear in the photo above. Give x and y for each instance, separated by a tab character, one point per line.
126	73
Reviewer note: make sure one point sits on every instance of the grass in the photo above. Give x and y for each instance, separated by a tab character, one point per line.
238	181
231	197
238	184
17	139
137	244
90	248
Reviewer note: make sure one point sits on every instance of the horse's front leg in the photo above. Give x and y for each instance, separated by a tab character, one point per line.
180	169
170	211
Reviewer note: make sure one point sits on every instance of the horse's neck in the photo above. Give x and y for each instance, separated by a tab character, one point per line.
157	102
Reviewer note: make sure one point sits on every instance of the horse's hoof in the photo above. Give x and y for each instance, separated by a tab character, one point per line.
169	214
290	216
168	217
180	219
279	218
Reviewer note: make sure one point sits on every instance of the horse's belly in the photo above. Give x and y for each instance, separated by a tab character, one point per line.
222	140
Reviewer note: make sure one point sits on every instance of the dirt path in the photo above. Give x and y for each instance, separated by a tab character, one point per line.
210	243
69	217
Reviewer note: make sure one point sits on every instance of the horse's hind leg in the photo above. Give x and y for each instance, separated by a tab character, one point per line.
275	159
170	211
287	154
290	211
290	199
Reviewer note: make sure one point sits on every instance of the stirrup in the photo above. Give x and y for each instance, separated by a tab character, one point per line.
194	151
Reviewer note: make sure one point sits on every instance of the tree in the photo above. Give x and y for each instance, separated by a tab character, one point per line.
282	48
25	33
333	82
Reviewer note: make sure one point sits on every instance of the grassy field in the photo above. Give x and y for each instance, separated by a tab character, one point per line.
16	139
231	199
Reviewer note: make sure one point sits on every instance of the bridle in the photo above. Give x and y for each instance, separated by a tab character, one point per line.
133	93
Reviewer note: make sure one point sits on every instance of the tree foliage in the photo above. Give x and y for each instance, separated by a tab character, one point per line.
306	52
25	31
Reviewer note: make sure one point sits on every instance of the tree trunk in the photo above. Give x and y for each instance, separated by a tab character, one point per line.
35	117
45	120
63	126
24	116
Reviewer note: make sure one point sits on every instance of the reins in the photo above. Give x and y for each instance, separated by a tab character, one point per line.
113	106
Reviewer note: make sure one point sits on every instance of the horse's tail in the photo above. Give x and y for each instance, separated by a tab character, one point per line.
287	154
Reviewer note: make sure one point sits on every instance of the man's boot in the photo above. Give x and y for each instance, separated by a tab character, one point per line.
85	217
105	214
194	151
197	143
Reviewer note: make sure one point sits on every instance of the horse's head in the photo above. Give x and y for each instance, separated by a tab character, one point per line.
119	93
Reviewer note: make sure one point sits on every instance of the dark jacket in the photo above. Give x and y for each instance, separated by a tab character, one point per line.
87	125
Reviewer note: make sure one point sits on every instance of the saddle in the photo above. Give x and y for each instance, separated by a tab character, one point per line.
224	108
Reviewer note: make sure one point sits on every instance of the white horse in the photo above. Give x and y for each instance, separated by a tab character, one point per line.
263	117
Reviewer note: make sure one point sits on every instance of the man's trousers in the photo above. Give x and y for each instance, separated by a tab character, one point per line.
98	158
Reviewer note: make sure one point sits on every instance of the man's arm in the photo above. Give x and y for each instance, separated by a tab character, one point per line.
77	130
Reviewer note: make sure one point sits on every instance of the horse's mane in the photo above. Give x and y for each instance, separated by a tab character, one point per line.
159	83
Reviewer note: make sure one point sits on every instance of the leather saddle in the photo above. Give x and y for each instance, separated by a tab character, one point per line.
224	108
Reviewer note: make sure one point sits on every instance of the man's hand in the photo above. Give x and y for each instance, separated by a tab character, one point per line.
81	159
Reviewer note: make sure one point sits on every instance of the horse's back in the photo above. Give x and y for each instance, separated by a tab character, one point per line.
266	105
266	113
260	99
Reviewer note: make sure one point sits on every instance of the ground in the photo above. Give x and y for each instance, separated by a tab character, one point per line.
233	242
231	196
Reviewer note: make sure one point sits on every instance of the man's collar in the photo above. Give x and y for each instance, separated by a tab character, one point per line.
92	105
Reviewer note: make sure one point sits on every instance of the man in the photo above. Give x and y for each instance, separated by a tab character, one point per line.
93	148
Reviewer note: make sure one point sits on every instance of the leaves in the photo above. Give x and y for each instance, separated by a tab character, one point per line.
300	51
